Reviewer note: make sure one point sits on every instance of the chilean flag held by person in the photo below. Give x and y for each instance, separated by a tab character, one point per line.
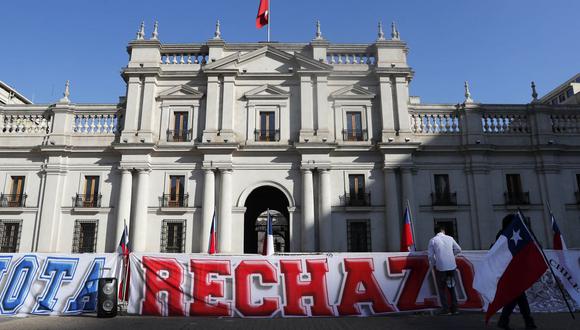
407	243
211	247
512	265
263	16
268	247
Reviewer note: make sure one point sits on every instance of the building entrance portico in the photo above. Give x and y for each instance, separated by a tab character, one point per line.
257	203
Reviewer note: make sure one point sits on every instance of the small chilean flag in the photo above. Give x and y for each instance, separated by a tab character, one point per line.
212	237
407	242
558	239
268	247
263	16
512	265
123	247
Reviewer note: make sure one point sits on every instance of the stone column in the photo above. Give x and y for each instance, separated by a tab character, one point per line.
49	228
139	223
323	111
228	105
387	113
402	111
148	115
306	115
392	213
124	203
307	236
325	220
208	208
224	223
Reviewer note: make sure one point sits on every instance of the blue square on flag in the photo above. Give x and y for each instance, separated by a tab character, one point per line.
517	236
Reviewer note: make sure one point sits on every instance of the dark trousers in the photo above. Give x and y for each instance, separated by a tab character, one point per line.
443	279
522	302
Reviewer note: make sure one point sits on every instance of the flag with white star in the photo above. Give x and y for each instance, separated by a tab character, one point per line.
512	265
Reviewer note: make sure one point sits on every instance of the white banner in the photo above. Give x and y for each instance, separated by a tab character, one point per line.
52	284
307	285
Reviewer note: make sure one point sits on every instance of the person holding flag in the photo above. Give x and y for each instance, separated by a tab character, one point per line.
268	247
512	265
442	251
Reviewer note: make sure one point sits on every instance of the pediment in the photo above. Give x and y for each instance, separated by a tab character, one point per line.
182	92
267	59
266	92
352	92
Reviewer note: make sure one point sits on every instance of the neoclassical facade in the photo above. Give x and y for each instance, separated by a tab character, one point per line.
323	136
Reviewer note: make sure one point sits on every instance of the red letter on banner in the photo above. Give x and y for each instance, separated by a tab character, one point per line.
360	272
163	276
297	289
473	298
244	291
418	267
203	287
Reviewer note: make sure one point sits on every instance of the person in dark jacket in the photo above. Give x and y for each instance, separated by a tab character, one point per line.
522	300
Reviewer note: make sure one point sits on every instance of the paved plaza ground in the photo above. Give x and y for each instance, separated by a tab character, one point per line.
408	321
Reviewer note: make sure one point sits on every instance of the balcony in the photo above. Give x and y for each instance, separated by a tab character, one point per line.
171	200
12	200
87	201
517	198
354	135
178	135
443	199
267	135
359	199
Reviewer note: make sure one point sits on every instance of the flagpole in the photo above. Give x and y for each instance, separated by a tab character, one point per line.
412	225
269	20
521	215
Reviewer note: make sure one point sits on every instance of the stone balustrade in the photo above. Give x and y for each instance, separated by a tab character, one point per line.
565	123
184	58
350	58
435	123
505	123
97	123
25	122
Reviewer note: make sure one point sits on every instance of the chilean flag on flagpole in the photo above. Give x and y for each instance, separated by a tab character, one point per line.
268	247
407	242
558	239
123	247
512	265
263	17
212	236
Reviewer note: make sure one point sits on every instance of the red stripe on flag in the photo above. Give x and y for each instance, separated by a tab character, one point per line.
263	16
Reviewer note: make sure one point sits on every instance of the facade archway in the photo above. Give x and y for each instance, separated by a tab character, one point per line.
257	203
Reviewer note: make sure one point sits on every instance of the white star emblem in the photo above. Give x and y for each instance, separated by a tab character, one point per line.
516	237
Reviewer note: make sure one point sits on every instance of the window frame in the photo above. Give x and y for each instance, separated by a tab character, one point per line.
165	232
3	223
368	234
77	247
453	221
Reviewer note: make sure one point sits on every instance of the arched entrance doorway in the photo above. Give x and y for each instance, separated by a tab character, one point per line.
258	202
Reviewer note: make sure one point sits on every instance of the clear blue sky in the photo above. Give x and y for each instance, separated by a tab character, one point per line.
499	46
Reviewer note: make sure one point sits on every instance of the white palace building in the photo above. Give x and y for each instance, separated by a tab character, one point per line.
323	135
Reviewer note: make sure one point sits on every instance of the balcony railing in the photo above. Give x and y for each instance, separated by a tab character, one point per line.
178	135
354	135
443	199
169	200
12	200
518	198
267	135
359	199
82	200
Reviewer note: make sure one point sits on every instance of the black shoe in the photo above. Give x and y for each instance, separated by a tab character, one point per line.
503	325
443	311
531	325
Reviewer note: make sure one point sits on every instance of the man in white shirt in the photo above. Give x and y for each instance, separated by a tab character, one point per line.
442	251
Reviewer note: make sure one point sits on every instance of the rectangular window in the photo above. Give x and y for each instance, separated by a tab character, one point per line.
554	101
514	184
450	226
357	195
173	236
561	98
569	93
180	127
267	130
16	196
441	184
176	191
354	130
10	235
358	236
91	196
85	236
